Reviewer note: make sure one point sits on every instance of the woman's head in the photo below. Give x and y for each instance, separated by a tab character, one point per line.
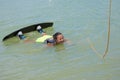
58	37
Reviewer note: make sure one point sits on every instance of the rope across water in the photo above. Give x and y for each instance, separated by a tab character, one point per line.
108	39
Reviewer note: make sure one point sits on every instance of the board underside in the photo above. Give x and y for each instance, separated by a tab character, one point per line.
28	29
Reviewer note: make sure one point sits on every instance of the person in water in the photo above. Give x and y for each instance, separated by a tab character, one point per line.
57	38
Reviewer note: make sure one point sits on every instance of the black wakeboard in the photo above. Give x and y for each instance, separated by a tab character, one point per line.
28	29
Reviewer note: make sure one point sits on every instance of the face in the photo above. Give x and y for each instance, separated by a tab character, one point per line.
60	39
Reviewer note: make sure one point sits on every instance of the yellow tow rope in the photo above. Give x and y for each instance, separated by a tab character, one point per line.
108	39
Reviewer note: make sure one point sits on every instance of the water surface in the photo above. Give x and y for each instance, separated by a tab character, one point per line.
83	22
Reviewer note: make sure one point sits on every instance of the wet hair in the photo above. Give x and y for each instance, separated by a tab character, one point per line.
55	35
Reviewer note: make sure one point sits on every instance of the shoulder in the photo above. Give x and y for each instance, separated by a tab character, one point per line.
66	40
50	40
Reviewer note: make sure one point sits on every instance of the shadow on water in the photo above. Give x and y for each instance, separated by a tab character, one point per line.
59	47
